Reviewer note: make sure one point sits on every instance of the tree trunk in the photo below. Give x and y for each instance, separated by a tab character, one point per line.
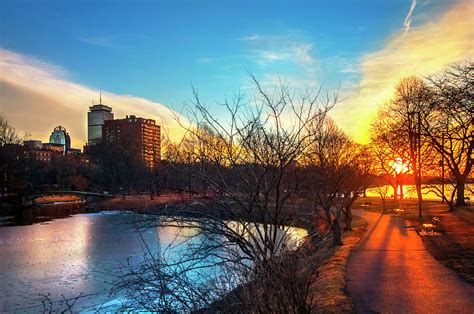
395	191
348	219
418	189
460	194
336	233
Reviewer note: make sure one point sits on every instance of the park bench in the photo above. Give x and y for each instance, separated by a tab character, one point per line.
366	205
430	227
467	201
399	212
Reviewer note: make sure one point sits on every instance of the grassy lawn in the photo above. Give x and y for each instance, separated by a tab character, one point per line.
454	246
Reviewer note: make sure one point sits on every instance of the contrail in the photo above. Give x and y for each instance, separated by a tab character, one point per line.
407	21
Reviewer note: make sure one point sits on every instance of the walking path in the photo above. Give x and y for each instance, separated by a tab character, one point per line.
390	271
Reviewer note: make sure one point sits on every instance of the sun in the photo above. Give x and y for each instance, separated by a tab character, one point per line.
400	166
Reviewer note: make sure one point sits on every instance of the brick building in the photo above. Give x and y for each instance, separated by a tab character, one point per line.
142	135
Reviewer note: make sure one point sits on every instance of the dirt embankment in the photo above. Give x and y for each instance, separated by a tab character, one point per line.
329	286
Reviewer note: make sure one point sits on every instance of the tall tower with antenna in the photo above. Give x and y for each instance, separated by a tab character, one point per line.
96	118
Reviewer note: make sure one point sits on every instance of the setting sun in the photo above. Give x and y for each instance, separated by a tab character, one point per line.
400	166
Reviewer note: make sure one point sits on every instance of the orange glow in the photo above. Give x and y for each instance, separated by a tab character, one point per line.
400	166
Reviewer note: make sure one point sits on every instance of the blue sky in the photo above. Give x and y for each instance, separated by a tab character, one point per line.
158	49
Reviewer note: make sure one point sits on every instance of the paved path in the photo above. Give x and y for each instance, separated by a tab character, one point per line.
390	271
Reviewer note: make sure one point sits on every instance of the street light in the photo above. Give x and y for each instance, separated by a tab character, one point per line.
415	142
442	168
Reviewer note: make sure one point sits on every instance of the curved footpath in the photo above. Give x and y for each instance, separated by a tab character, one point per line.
390	271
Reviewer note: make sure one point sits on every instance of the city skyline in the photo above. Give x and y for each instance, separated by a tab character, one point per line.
144	71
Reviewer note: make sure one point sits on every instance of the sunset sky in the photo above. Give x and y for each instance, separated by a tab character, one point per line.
145	56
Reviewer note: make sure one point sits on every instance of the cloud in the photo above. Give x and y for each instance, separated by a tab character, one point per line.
101	41
291	48
427	49
250	38
37	96
349	69
407	21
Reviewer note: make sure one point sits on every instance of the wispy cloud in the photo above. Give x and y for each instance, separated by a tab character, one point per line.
350	68
291	47
37	96
101	41
250	37
427	49
407	21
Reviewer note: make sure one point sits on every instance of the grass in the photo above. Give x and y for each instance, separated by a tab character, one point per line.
454	246
329	285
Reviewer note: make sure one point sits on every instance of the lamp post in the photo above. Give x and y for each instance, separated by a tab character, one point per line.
414	132
442	169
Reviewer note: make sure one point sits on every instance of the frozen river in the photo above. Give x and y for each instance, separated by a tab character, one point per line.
69	256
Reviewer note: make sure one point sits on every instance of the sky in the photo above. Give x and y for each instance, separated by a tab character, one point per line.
146	56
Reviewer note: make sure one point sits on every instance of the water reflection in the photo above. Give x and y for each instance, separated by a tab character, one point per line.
37	214
82	253
410	192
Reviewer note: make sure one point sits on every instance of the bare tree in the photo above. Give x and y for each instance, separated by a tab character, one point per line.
385	158
247	162
382	191
398	129
336	173
448	124
8	134
242	169
196	283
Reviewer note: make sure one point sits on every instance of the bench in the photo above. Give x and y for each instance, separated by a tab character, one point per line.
467	201
399	212
428	228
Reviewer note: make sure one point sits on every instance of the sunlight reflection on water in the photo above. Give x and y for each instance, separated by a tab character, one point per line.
73	255
410	192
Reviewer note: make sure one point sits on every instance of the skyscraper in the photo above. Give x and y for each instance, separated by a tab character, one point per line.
137	134
96	117
61	137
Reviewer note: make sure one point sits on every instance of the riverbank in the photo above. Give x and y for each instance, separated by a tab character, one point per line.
181	204
328	288
453	242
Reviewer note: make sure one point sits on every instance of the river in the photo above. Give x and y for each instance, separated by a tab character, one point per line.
69	256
